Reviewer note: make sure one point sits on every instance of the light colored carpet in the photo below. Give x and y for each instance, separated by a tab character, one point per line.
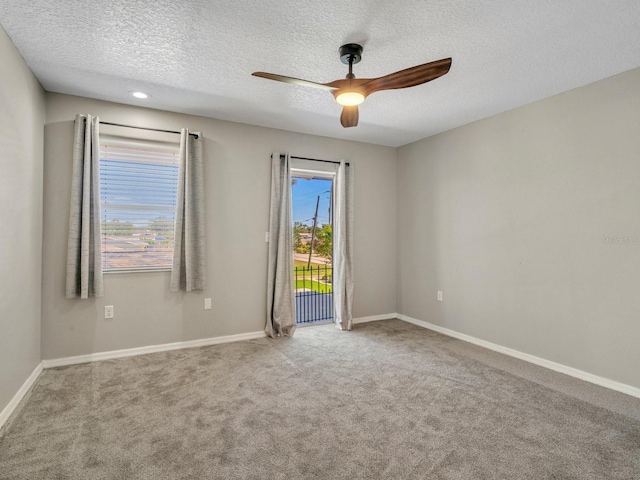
388	400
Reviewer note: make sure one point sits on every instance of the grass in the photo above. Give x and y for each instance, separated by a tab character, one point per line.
302	270
314	286
310	279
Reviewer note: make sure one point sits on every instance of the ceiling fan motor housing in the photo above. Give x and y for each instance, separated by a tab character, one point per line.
350	50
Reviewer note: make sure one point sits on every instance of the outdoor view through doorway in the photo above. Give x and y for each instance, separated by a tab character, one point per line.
312	195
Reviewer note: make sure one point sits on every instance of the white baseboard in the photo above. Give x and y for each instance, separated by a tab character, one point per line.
130	352
8	410
94	357
558	367
375	318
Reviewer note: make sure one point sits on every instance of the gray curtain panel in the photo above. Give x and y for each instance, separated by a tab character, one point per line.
281	307
343	247
189	256
84	255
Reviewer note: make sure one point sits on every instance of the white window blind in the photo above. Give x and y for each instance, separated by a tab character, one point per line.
138	189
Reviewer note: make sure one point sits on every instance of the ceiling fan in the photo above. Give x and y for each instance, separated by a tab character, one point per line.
351	91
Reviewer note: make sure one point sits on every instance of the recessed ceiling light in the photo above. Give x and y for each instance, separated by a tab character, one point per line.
140	94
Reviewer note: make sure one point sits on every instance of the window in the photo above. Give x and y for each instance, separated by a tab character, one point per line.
138	190
312	202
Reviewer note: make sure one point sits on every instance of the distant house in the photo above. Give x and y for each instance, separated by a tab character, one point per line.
305	238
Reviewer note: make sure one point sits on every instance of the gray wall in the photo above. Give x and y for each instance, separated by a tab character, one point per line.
237	171
22	105
508	217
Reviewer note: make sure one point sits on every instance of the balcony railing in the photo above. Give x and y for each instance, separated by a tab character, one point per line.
314	293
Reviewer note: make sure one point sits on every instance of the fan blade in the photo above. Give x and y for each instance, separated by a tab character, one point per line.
409	77
343	83
349	116
294	81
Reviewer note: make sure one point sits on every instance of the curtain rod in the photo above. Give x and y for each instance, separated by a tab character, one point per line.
314	160
195	135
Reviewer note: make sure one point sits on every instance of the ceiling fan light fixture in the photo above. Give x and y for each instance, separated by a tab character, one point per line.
350	99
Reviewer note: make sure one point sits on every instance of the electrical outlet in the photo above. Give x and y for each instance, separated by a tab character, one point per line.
207	304
108	311
439	296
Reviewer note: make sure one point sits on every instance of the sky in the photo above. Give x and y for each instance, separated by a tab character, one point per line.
305	194
126	185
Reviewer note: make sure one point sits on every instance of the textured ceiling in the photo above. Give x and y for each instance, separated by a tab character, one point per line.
197	56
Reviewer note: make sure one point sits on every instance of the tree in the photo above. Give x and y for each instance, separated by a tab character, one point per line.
324	241
162	226
301	227
297	241
116	228
298	228
303	248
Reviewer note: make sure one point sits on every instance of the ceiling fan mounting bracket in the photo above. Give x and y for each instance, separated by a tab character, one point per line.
350	51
